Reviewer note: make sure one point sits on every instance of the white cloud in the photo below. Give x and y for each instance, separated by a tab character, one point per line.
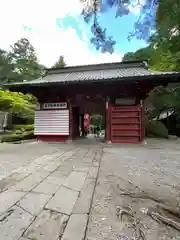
71	47
48	40
136	6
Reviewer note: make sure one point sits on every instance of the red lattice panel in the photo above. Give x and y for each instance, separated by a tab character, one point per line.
126	124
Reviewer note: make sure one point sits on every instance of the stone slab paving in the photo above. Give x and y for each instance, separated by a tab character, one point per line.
83	202
69	191
50	185
51	167
11	180
30	182
47	226
34	202
93	172
48	190
14	156
14	223
76	227
61	173
8	198
75	180
63	201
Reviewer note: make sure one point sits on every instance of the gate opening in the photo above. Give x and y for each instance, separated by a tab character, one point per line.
88	118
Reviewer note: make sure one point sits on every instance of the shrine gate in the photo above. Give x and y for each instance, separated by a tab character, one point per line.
113	90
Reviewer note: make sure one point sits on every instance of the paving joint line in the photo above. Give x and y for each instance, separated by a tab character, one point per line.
91	203
24	209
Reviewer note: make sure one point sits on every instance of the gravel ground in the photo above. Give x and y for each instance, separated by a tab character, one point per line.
134	181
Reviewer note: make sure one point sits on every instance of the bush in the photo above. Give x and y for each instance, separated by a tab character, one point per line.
18	132
23	128
28	135
29	127
20	119
11	138
18	137
156	129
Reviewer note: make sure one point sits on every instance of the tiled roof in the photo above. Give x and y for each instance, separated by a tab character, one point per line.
96	73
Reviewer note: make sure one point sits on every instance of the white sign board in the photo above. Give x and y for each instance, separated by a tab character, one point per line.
57	105
125	101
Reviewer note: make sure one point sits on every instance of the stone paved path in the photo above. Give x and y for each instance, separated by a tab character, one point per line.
47	197
73	191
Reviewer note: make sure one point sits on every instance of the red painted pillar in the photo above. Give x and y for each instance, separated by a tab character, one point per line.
142	135
70	119
108	124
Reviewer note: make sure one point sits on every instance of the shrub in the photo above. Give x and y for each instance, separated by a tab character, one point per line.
156	129
18	132
29	127
14	137
28	135
11	138
25	127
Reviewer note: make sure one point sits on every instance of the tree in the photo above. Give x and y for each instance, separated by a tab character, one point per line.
96	120
25	62
141	54
142	27
168	21
60	63
6	67
160	99
16	102
20	63
159	58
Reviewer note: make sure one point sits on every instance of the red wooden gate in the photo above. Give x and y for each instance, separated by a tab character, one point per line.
126	124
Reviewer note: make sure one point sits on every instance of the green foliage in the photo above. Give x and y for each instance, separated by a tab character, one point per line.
25	60
23	128
5	66
162	98
60	63
156	129
97	120
166	40
20	63
158	58
16	102
11	138
19	131
163	54
28	135
18	136
168	24
141	54
21	118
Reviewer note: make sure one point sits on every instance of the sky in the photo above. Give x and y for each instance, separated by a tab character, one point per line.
56	27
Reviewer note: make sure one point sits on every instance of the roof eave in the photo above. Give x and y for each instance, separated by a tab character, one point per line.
100	66
171	78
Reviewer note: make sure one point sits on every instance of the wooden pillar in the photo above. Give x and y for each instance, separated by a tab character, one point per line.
108	124
82	124
70	119
143	123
